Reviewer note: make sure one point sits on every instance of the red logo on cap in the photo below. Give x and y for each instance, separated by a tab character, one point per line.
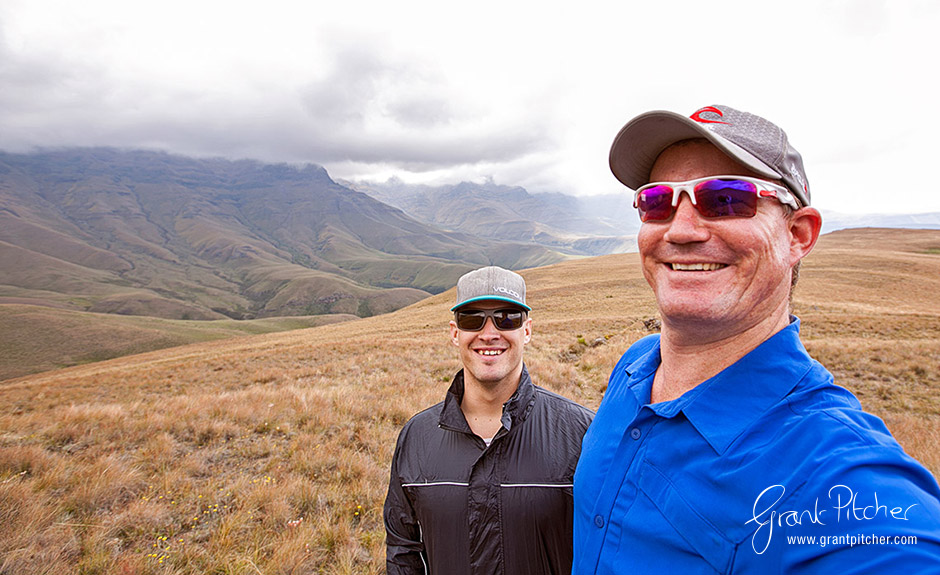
697	116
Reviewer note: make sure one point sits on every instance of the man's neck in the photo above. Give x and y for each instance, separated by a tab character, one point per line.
692	356
482	403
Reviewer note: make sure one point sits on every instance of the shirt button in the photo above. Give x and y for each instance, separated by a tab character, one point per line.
598	520
635	433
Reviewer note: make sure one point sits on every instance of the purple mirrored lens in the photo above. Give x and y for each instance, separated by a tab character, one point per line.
718	198
655	203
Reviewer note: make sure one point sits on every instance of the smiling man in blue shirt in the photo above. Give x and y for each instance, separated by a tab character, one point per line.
721	446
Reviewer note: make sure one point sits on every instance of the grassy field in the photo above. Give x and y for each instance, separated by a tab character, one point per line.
35	338
269	453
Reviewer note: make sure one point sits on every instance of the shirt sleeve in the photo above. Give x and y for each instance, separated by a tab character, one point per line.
871	510
405	553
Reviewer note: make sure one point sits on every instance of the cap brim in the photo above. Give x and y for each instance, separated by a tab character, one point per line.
644	138
491	298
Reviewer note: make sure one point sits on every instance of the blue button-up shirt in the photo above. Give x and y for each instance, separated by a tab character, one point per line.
765	468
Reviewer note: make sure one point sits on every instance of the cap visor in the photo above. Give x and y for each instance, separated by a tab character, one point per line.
491	298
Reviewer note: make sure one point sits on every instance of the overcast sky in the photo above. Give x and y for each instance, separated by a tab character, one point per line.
526	93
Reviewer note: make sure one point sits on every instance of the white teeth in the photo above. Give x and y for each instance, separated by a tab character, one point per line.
490	352
697	267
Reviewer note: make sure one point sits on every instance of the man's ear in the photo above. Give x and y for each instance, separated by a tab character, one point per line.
805	224
528	329
453	333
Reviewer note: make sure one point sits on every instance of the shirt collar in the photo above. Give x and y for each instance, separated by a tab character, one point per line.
722	407
515	410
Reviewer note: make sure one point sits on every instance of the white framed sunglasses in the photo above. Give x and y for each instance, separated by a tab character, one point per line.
713	197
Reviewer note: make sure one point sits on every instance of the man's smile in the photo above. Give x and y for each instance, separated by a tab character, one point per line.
697	267
489	351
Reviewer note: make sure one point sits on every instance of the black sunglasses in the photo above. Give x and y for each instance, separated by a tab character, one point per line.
503	319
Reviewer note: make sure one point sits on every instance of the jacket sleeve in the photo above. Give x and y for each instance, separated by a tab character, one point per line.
404	549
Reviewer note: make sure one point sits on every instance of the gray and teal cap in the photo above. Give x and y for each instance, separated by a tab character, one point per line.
491	283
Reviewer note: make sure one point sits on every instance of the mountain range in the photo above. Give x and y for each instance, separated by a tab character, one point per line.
581	225
575	226
148	233
833	221
154	234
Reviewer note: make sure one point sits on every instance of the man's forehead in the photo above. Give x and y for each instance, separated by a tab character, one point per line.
690	159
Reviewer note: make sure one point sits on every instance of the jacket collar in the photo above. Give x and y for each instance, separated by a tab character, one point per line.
514	411
722	407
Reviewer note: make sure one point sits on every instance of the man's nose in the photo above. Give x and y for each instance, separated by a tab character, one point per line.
687	225
489	328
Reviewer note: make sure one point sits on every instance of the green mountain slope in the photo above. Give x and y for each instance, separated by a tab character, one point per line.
147	233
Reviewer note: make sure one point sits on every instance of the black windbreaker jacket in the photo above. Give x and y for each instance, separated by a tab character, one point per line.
456	507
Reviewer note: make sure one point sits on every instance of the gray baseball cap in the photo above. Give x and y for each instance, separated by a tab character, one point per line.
491	283
751	140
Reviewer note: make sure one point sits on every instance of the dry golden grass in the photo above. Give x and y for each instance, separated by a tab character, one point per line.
35	338
269	454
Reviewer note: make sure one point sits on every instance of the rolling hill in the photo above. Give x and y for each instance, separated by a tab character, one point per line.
270	453
148	233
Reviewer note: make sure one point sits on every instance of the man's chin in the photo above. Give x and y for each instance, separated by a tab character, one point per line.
700	318
691	308
490	376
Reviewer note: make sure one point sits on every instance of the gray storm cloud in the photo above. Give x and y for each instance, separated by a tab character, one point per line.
364	107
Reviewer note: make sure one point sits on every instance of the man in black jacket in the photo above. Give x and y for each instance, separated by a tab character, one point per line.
481	482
